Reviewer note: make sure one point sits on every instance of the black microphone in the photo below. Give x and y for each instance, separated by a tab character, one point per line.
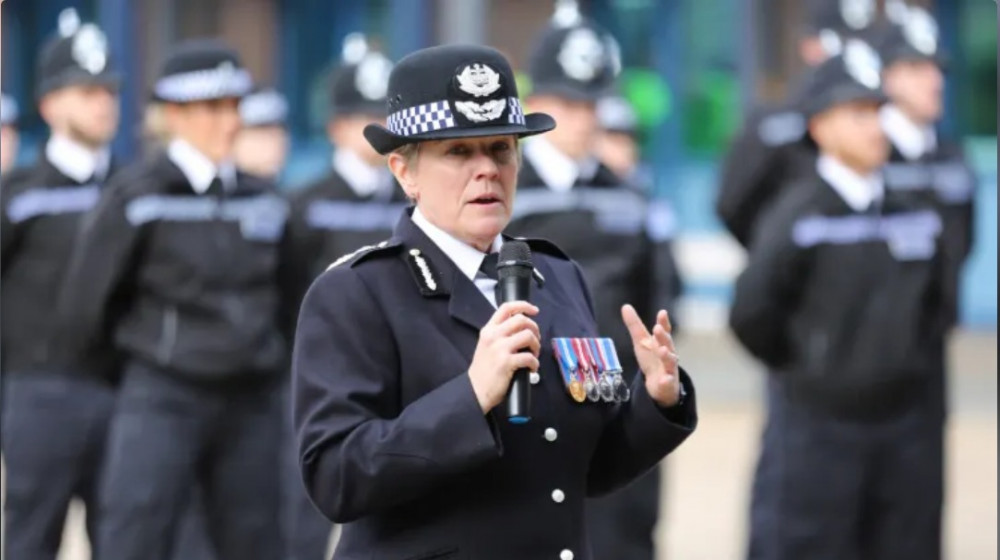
515	271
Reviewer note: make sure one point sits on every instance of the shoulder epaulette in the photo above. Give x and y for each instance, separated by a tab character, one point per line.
538	245
357	256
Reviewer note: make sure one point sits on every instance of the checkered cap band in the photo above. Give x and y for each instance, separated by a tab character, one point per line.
202	85
429	117
421	118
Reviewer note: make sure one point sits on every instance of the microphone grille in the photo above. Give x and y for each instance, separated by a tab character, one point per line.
514	259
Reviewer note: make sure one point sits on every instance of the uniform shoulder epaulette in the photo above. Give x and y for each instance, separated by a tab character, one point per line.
538	245
362	254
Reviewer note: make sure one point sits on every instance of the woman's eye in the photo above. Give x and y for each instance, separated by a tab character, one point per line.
501	147
458	150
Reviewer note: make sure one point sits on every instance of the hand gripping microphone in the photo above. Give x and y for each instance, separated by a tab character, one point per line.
515	272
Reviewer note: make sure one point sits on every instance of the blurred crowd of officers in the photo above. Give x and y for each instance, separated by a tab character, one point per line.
149	309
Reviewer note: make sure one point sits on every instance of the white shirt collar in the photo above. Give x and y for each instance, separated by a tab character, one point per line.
911	139
859	192
76	161
557	170
365	180
198	169
467	258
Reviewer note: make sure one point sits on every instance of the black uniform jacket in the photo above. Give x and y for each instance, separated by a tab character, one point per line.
196	275
41	213
329	220
617	236
943	180
844	307
392	441
770	151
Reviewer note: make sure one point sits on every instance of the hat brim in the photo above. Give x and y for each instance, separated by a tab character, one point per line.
111	80
383	141
847	93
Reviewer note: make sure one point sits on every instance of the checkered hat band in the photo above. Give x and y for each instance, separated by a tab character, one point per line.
201	85
434	116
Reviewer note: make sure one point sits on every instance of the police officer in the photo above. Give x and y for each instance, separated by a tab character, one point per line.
569	196
8	132
404	352
772	149
180	257
357	203
262	143
56	411
923	164
840	300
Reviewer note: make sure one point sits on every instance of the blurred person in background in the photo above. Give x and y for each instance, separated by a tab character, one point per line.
772	148
56	410
841	300
923	164
8	132
356	204
262	144
567	195
180	257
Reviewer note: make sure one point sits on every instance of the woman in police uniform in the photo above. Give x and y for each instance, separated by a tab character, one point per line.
400	356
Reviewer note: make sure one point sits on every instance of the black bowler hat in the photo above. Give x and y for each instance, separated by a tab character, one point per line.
852	75
913	36
453	91
8	110
574	58
202	70
264	107
77	56
358	86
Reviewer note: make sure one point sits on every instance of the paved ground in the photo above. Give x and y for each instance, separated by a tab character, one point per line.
708	478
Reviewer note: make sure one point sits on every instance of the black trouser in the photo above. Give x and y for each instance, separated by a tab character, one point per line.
168	438
54	429
620	526
307	532
832	489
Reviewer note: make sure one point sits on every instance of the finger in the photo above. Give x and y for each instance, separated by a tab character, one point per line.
663	319
663	337
523	360
634	324
522	340
516	324
510	309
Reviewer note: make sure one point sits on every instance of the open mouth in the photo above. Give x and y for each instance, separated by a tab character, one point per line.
486	200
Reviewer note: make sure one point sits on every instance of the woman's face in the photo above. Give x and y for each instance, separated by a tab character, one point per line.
464	186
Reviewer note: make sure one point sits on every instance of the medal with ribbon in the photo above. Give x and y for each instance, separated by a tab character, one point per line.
610	356
569	365
604	385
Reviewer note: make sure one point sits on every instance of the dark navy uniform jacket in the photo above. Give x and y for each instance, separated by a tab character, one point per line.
40	217
392	441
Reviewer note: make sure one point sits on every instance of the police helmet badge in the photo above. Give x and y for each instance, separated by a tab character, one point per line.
372	76
863	63
857	14
921	31
90	49
582	54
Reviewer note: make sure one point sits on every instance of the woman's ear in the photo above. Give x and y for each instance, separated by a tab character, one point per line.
402	169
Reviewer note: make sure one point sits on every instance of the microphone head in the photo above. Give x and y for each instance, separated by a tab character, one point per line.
514	260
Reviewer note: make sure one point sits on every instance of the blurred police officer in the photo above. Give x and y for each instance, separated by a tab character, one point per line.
8	132
771	148
617	147
924	165
56	410
568	196
262	143
180	256
356	204
840	300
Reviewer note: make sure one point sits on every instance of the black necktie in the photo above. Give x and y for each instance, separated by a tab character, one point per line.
489	266
215	188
